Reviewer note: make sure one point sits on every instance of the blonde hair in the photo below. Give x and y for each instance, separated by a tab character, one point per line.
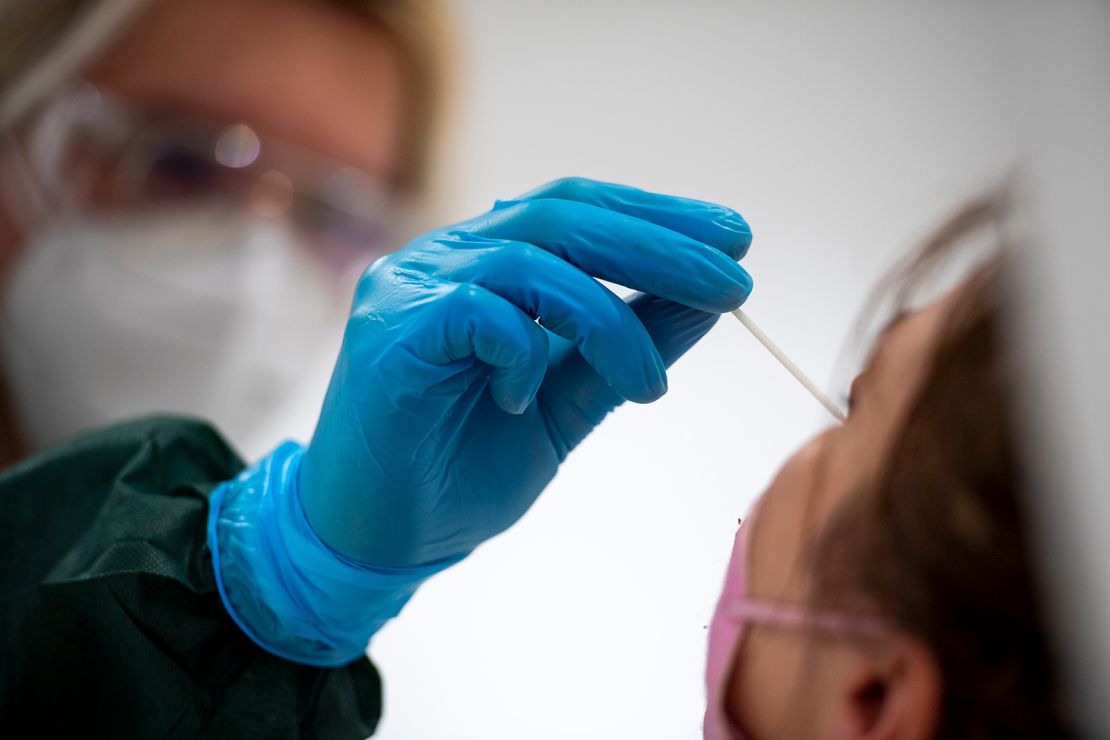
422	33
45	43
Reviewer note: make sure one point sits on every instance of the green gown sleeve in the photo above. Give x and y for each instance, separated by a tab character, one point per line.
110	621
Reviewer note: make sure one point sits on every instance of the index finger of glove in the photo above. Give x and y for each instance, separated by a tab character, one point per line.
622	249
718	226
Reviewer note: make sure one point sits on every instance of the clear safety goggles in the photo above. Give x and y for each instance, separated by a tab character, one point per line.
86	152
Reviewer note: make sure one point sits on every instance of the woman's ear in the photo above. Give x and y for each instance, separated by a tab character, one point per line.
891	692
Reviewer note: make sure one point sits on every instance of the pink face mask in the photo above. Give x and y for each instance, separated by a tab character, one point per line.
734	609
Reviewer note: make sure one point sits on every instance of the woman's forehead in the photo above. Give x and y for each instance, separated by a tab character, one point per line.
901	355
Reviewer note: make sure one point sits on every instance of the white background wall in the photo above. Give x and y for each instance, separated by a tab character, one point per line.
842	135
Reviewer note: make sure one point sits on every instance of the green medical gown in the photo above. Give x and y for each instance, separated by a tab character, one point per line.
110	622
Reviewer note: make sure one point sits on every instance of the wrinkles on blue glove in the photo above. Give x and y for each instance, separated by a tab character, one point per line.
477	357
289	592
674	329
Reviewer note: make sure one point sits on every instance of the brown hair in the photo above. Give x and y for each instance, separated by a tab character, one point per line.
938	541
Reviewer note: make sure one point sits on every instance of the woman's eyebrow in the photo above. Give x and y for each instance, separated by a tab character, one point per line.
884	334
899	316
864	379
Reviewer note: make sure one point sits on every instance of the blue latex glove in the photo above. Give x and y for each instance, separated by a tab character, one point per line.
475	359
287	590
450	409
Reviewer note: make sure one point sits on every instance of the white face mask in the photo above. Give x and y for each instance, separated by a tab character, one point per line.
207	312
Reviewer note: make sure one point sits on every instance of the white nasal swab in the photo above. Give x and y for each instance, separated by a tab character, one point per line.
794	370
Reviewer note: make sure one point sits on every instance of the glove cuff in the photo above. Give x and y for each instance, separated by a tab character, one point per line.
288	591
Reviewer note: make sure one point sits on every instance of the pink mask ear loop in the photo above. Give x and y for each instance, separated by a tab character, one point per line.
829	621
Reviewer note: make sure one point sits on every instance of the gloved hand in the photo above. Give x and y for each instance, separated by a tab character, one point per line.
474	360
451	408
